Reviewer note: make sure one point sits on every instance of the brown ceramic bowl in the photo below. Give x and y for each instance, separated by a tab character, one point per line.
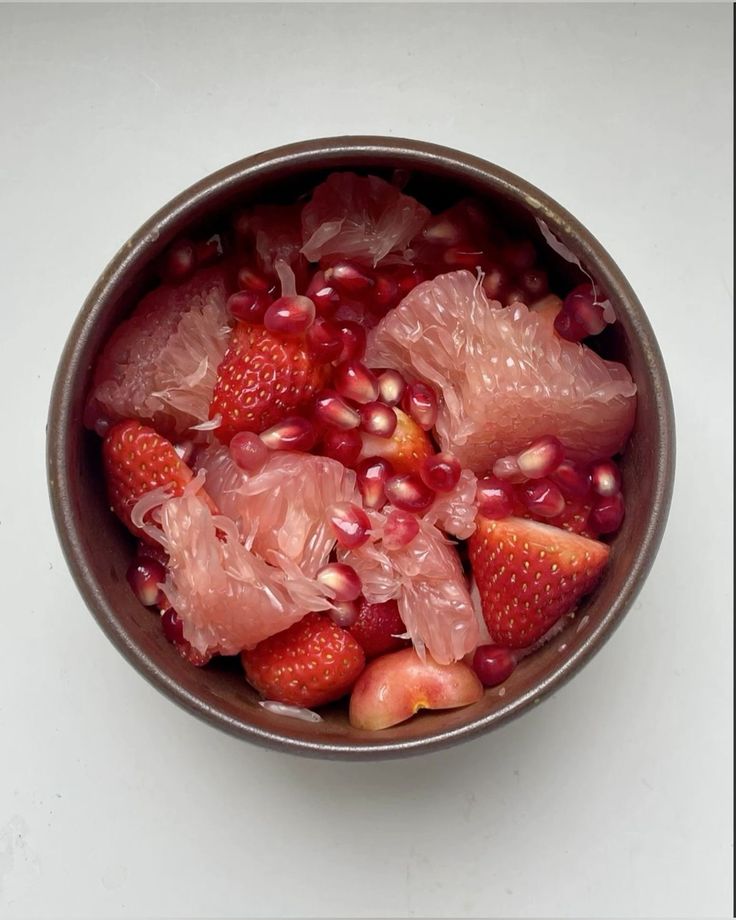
98	550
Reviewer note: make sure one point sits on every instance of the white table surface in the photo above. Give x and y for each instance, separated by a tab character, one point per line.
611	799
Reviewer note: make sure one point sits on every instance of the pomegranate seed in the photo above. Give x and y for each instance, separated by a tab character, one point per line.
248	306
607	513
420	402
290	315
254	281
353	341
325	298
580	315
345	614
535	283
386	294
507	468
144	577
293	433
341	579
493	664
207	251
151	551
440	472
519	256
350	525
324	340
408	279
344	446
605	478
331	409
514	296
572	481
493	497
349	278
355	381
567	328
391	386
399	530
372	475
542	497
494	283
408	492
443	230
179	261
248	451
172	627
541	458
462	258
378	419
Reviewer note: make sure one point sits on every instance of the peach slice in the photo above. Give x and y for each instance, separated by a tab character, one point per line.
394	687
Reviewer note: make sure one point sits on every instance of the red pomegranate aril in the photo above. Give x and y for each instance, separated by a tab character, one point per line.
349	278
407	492
443	230
350	525
409	278
519	256
495	283
572	481
440	472
344	614
607	514
534	282
344	446
324	340
507	468
493	664
456	257
514	296
179	261
542	497
420	402
289	315
152	551
353	341
248	451
342	580
249	279
541	458
325	298
293	433
207	251
391	387
494	497
605	478
399	530
580	315
385	295
249	306
144	577
331	409
172	626
372	475
378	419
568	328
353	380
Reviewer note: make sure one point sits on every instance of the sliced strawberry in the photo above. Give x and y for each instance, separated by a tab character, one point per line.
377	627
310	663
262	378
529	575
574	518
137	459
407	447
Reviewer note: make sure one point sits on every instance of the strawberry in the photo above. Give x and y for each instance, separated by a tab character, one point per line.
310	663
574	518
262	378
529	575
137	459
377	627
405	449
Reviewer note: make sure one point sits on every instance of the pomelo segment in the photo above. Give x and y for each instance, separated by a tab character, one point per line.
281	510
504	375
227	597
160	365
359	217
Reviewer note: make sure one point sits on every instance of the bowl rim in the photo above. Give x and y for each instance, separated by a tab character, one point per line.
333	151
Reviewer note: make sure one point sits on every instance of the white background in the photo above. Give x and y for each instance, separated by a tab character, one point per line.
611	799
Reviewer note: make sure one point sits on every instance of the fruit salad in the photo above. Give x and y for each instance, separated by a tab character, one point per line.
369	450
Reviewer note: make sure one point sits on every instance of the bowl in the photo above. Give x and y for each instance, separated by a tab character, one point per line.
98	550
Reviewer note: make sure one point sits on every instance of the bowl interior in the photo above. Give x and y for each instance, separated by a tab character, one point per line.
99	549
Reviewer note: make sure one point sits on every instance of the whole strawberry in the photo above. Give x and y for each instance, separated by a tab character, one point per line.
262	379
136	460
377	627
311	663
529	575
